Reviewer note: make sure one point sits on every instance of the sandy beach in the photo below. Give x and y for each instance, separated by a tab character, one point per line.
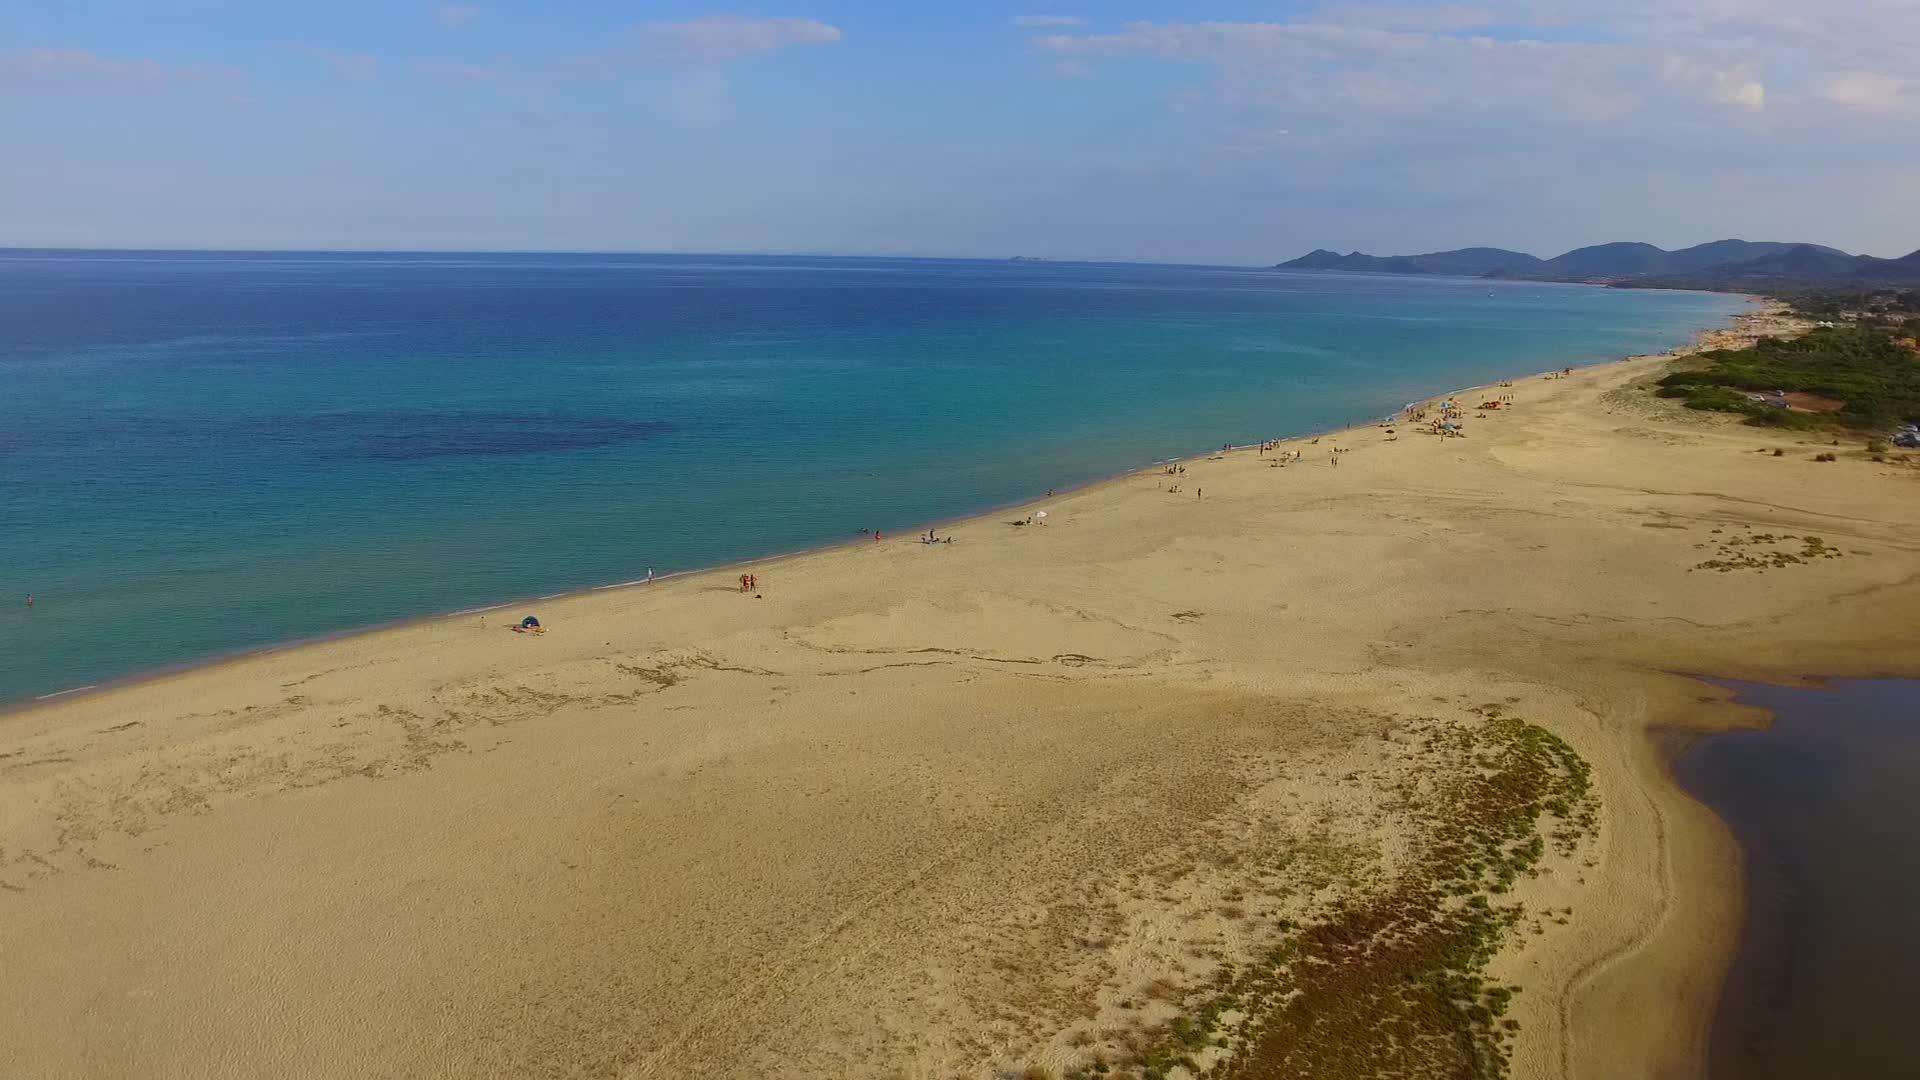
1027	800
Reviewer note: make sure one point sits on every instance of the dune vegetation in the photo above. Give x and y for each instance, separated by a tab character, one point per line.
1867	377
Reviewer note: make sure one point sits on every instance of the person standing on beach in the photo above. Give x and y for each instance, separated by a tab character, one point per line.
649	575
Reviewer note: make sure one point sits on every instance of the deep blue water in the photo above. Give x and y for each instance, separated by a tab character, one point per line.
206	452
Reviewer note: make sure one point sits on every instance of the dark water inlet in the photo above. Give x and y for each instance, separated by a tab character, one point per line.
1826	807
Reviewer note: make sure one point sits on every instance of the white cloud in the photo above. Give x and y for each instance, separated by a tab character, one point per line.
1039	22
1734	90
1342	68
1452	61
1725	86
714	38
455	16
80	69
1644	65
1870	92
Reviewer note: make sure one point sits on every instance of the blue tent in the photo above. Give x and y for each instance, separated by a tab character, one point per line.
530	623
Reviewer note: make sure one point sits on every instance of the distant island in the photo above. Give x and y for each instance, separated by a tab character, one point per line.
1738	265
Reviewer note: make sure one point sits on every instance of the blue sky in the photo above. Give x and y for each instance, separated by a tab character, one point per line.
1194	132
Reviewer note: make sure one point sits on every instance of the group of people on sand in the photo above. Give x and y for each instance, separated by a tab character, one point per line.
1448	423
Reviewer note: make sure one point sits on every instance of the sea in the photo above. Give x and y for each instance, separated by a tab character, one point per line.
206	453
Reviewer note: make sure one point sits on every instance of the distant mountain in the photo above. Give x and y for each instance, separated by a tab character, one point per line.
1478	261
1801	265
1607	260
1803	261
1720	264
1722	252
1628	260
1465	262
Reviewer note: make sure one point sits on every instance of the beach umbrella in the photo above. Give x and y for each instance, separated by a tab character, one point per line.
1040	513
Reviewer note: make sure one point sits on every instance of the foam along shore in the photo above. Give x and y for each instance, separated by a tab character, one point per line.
1121	787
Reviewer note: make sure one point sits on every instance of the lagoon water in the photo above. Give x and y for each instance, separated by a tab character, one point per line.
1826	808
203	453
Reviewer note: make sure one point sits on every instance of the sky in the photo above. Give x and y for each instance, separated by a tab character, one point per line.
1217	132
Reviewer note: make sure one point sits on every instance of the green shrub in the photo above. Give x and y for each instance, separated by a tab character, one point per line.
1876	380
1717	399
1768	416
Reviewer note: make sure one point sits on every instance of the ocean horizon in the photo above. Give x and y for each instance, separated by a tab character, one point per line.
208	453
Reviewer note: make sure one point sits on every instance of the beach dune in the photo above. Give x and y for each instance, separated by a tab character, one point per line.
944	810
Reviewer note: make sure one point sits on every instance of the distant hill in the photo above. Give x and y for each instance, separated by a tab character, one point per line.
1465	262
1804	261
1721	264
1803	265
1607	260
1627	260
1722	252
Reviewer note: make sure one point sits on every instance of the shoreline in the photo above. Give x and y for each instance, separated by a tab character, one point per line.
187	667
906	794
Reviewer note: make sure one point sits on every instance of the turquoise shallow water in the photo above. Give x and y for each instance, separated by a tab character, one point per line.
204	453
